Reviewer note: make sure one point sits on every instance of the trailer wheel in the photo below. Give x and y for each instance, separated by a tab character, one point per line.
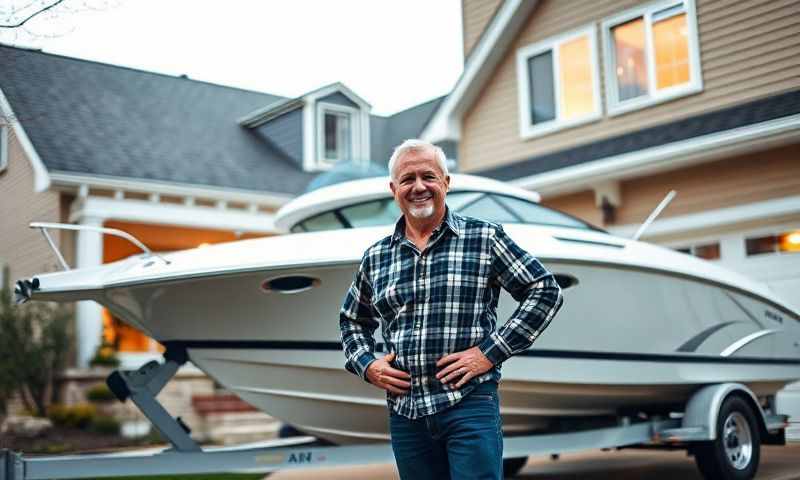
512	466
735	453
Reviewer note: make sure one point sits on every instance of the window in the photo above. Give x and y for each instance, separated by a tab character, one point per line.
485	206
652	55
557	83
708	251
783	242
3	147
337	133
370	214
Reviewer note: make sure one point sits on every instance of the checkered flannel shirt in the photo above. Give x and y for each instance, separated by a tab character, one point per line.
443	300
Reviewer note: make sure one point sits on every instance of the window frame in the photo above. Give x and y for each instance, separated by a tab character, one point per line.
653	97
323	163
527	130
3	147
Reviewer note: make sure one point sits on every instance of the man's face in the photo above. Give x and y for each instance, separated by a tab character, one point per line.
419	185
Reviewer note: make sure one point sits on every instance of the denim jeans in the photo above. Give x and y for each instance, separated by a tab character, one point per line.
463	442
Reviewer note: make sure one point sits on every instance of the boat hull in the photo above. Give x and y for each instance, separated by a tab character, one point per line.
626	339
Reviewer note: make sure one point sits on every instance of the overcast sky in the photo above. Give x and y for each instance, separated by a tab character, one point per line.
395	54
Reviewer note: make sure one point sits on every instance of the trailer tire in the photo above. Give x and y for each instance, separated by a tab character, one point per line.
735	453
512	466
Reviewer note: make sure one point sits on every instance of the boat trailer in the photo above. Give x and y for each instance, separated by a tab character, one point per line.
185	456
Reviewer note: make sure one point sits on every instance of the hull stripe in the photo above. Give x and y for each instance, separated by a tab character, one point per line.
565	354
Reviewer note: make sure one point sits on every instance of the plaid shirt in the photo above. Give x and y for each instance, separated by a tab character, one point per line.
443	300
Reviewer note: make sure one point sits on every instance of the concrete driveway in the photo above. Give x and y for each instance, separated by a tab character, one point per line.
777	463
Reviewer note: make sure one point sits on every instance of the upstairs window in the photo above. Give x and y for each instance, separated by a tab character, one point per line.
557	83
652	55
337	134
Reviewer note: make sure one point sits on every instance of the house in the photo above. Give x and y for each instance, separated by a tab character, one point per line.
176	162
604	107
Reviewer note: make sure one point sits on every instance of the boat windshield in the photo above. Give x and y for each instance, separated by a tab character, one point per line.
486	206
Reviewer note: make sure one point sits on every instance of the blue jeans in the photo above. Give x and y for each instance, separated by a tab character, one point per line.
463	442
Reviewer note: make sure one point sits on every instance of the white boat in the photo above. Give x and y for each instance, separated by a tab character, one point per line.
642	327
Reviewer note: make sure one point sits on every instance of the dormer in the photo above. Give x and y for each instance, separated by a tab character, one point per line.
316	130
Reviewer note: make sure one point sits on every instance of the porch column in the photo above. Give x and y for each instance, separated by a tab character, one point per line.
88	313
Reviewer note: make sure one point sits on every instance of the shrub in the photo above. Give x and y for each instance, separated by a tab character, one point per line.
57	413
34	342
105	424
100	393
81	416
76	416
105	356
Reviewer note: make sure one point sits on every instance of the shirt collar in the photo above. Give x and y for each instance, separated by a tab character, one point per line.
452	221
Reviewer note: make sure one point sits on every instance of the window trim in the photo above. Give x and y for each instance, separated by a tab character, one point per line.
526	129
3	147
616	107
323	163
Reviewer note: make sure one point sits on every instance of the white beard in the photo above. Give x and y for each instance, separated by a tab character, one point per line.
422	212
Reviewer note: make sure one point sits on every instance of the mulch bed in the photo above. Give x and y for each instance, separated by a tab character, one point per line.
72	440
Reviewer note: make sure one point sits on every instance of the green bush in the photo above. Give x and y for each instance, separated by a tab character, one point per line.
57	413
105	356
100	393
75	416
34	344
105	424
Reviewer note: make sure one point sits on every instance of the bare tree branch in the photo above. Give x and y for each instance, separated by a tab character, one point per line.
24	20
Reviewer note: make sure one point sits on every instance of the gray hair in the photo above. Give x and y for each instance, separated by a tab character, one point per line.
415	145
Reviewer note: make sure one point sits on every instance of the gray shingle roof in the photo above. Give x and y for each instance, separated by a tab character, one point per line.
389	132
91	118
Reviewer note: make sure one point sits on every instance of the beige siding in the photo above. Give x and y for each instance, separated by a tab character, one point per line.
22	249
579	205
725	183
748	50
475	16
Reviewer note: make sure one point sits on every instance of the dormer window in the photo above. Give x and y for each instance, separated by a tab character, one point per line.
316	130
338	134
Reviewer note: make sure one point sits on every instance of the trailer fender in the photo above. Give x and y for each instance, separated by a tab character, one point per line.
700	418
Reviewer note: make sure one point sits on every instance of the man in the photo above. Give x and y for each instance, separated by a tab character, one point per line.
433	286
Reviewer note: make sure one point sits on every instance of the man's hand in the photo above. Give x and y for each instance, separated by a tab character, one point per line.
467	364
383	375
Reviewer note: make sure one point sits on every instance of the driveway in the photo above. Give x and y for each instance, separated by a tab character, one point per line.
777	463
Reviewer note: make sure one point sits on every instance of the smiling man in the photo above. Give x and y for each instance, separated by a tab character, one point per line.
433	287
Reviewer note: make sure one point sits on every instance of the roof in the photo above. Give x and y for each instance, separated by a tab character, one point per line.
85	117
486	54
750	113
278	108
391	131
357	191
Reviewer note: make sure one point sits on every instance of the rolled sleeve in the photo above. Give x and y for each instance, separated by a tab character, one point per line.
357	323
536	290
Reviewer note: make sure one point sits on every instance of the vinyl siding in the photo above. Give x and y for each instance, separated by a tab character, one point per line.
737	180
748	50
580	204
475	16
726	183
24	250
